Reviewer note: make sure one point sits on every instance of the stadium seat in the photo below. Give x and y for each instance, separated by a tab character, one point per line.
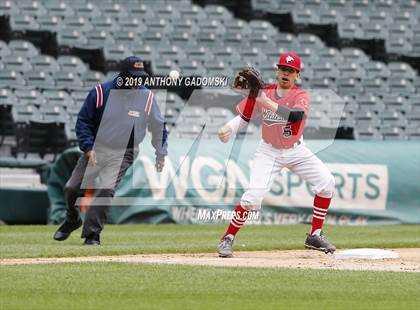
50	23
92	78
193	12
398	45
323	83
401	86
78	23
99	38
413	132
16	63
23	48
310	40
116	52
367	133
349	86
70	134
132	24
379	17
350	31
330	16
354	55
259	27
167	11
45	63
371	102
11	77
237	26
414	118
58	98
400	30
114	10
305	16
414	102
155	38
392	118
396	102
330	54
374	31
32	8
164	67
375	86
217	12
219	115
106	24
376	69
172	53
182	38
403	70
22	114
58	8
39	80
367	118
325	70
72	38
23	23
191	68
9	8
71	64
160	25
86	9
79	97
392	133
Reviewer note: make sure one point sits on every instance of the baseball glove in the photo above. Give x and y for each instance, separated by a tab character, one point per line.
248	80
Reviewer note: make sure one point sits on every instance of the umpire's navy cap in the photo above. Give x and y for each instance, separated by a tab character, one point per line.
133	65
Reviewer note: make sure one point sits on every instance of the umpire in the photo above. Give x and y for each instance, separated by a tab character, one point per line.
110	125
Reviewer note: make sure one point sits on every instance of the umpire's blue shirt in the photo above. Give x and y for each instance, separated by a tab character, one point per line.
118	118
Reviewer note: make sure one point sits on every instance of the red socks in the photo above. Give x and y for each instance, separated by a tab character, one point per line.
319	212
238	219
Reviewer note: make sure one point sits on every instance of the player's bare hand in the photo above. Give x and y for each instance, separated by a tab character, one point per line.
91	156
224	133
160	163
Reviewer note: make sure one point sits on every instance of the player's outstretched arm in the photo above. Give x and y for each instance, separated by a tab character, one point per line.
232	127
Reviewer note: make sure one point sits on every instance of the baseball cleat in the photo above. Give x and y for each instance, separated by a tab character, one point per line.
92	239
319	243
65	230
225	246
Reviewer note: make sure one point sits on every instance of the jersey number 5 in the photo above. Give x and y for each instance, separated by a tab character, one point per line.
287	131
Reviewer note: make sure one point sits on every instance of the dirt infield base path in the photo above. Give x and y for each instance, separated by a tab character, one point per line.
409	260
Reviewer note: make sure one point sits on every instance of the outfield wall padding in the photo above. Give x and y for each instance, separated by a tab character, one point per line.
377	182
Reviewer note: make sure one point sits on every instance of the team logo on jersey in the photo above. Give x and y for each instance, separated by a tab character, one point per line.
271	118
134	113
289	59
138	65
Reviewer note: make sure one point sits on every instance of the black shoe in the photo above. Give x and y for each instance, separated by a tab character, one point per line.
65	230
319	243
92	239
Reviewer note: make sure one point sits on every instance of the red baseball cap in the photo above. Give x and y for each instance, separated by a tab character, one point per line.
289	60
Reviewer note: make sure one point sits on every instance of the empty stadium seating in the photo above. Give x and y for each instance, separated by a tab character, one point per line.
382	97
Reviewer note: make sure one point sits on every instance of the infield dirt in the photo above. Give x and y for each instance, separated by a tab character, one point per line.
409	260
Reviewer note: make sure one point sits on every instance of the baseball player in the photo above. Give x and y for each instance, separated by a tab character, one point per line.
111	124
283	108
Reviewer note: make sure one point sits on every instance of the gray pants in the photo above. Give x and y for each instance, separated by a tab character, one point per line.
110	169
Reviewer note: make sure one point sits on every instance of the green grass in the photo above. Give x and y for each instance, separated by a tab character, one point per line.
36	241
136	286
